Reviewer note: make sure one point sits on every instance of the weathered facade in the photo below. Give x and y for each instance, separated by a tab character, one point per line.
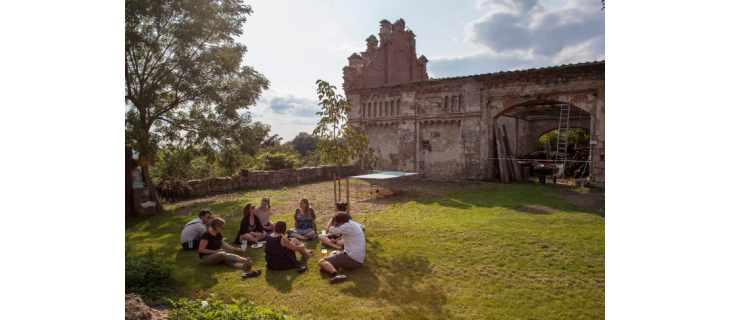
444	128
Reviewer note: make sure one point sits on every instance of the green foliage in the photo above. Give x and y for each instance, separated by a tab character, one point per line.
173	189
184	81
576	136
304	143
276	161
312	159
150	276
340	142
209	310
272	141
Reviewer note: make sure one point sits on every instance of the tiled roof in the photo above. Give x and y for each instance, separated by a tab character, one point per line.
491	73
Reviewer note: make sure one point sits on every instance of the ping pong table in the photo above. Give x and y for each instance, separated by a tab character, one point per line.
385	179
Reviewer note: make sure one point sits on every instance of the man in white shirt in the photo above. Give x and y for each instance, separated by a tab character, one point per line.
190	236
354	242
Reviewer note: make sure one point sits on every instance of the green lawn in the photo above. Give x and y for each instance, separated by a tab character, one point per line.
460	250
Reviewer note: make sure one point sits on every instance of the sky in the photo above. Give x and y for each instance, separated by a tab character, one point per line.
295	43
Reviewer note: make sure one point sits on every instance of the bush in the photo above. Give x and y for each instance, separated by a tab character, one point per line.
150	276
205	309
173	189
277	161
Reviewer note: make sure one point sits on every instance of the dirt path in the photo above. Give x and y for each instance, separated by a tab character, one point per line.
136	309
591	199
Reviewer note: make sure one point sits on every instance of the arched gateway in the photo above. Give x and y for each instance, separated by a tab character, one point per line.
444	128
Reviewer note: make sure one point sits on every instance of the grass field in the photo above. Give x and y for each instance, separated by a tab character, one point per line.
456	250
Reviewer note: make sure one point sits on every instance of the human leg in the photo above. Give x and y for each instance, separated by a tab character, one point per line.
330	264
326	266
227	258
236	261
310	235
326	241
249	237
293	234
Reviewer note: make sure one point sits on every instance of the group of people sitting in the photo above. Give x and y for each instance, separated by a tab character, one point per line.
342	233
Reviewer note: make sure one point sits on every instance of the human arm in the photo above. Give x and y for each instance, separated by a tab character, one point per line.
287	244
329	224
259	227
346	228
298	217
314	220
200	229
203	250
229	247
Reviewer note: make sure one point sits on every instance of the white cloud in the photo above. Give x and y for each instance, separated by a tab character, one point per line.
522	34
530	30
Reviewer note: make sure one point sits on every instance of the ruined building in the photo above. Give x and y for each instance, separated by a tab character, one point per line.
444	128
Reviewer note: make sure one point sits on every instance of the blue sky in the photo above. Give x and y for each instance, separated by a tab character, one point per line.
294	43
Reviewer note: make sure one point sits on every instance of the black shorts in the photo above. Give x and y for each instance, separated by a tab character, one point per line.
196	244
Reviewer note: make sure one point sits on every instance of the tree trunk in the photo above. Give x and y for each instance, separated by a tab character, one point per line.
151	188
347	186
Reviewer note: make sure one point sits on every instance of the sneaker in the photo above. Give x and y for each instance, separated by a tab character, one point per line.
247	263
301	269
338	278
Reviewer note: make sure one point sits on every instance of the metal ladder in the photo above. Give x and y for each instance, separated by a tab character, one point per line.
561	149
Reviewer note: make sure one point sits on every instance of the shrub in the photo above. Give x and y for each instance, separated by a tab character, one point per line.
149	276
173	188
277	161
207	309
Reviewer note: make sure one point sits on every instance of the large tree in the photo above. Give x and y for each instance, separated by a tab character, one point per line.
304	143
183	74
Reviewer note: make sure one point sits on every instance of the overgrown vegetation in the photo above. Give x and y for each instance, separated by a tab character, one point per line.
173	189
151	275
577	137
210	309
191	162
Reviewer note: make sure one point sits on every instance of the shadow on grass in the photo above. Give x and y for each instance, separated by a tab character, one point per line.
282	280
197	275
512	196
399	281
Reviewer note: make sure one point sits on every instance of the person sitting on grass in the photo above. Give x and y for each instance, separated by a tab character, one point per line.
251	228
353	240
280	251
264	213
211	253
190	236
332	240
306	225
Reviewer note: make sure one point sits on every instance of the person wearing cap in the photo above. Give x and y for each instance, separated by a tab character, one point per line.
264	214
193	230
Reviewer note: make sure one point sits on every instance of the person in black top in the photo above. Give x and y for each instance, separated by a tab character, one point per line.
251	228
211	253
280	251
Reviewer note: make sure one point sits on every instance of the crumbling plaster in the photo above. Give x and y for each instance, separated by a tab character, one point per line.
457	116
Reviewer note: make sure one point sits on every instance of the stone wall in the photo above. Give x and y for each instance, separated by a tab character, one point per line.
265	179
458	116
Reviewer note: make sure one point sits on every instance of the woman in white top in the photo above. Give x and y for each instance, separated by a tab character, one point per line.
264	214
